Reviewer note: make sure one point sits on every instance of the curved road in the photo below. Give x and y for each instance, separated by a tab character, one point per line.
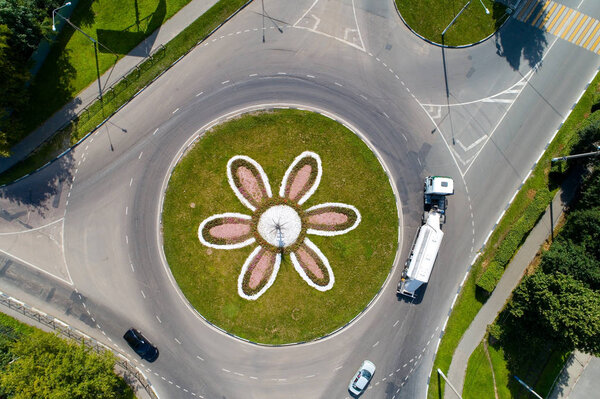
93	216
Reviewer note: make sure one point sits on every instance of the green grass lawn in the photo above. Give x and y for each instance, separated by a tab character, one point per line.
429	18
290	310
470	299
71	64
478	380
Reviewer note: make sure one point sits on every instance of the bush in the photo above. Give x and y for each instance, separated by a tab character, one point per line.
490	277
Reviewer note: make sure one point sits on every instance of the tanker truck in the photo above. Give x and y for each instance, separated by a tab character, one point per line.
427	242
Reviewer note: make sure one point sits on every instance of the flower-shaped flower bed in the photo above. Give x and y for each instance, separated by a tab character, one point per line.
279	224
290	240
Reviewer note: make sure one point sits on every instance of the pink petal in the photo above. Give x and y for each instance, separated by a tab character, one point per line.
301	178
328	218
331	219
226	230
261	265
258	273
299	182
249	185
308	261
248	180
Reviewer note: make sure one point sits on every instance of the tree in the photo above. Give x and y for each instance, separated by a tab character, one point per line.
583	227
45	366
556	308
567	257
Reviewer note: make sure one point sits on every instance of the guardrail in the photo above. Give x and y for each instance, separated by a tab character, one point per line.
69	332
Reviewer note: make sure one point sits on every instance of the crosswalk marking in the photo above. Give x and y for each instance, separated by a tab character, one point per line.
562	21
589	23
581	21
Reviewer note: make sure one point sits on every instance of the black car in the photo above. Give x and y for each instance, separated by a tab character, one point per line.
141	345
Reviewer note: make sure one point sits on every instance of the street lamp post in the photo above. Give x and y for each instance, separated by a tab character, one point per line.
527	387
486	9
94	41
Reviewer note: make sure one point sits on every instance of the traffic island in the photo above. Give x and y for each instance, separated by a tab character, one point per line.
280	227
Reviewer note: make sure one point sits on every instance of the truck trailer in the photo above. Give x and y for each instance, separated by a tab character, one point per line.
427	242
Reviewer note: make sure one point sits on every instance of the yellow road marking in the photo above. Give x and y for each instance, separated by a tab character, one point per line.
540	13
591	35
524	8
591	22
596	42
583	19
555	20
530	12
563	22
547	17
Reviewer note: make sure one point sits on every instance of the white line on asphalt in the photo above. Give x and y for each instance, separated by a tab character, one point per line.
140	157
338	84
225	370
132	269
178	341
198	357
176	109
144	295
386	115
253	75
130	182
337	368
226	81
375	344
306	12
405	139
281	73
155	132
310	76
310	376
363	96
396	323
253	378
158	319
126	210
126	239
240	374
199	94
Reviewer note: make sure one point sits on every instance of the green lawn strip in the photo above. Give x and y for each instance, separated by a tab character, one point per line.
500	371
125	90
471	299
429	18
71	64
552	368
479	382
290	310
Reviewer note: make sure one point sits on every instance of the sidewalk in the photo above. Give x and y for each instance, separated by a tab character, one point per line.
578	379
509	281
178	22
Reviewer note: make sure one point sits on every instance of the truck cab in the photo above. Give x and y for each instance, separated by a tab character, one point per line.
435	191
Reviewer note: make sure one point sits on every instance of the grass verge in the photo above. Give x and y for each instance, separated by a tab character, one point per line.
71	64
479	380
290	310
125	90
472	299
429	18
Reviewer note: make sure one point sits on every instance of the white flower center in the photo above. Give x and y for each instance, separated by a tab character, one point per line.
280	225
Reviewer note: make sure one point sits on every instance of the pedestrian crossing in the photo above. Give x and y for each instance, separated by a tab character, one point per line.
561	21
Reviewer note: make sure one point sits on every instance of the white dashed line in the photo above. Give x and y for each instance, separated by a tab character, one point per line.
126	210
225	370
253	75
144	295
375	344
281	73
132	269
338	84
178	341
253	378
310	76
199	94
224	82
198	357
176	109
157	318
396	323
130	182
155	132
140	157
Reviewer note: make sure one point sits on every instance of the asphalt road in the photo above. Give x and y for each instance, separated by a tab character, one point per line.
95	214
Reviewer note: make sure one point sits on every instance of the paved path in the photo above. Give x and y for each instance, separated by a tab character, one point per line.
161	36
579	378
511	278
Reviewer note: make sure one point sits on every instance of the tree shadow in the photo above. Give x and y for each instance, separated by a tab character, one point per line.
40	192
516	40
125	40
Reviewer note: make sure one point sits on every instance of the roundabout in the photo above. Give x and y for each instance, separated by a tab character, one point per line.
312	253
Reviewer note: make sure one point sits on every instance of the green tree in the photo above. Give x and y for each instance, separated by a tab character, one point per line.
556	308
583	227
567	257
45	366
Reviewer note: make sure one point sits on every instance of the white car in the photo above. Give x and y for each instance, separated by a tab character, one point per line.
361	379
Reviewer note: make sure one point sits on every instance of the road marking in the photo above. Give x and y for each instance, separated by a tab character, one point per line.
396	323
126	239
157	318
375	344
176	109
224	82
178	341
155	132
253	75
144	295
198	357
132	269
281	73
589	22
130	182
140	157
338	84
126	210
225	370
240	374
310	76
337	368
253	378
199	94
386	115
310	376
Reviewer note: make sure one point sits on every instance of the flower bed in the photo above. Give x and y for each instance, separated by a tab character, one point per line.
288	265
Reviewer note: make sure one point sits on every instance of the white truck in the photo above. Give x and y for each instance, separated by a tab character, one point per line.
427	243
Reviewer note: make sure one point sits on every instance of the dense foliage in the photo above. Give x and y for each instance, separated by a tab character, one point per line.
36	364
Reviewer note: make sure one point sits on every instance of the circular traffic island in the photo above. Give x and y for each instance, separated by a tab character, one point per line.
279	227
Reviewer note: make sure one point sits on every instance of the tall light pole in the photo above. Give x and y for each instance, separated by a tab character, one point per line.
94	41
486	9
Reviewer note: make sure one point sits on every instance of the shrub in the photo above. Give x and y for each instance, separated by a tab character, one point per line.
490	277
